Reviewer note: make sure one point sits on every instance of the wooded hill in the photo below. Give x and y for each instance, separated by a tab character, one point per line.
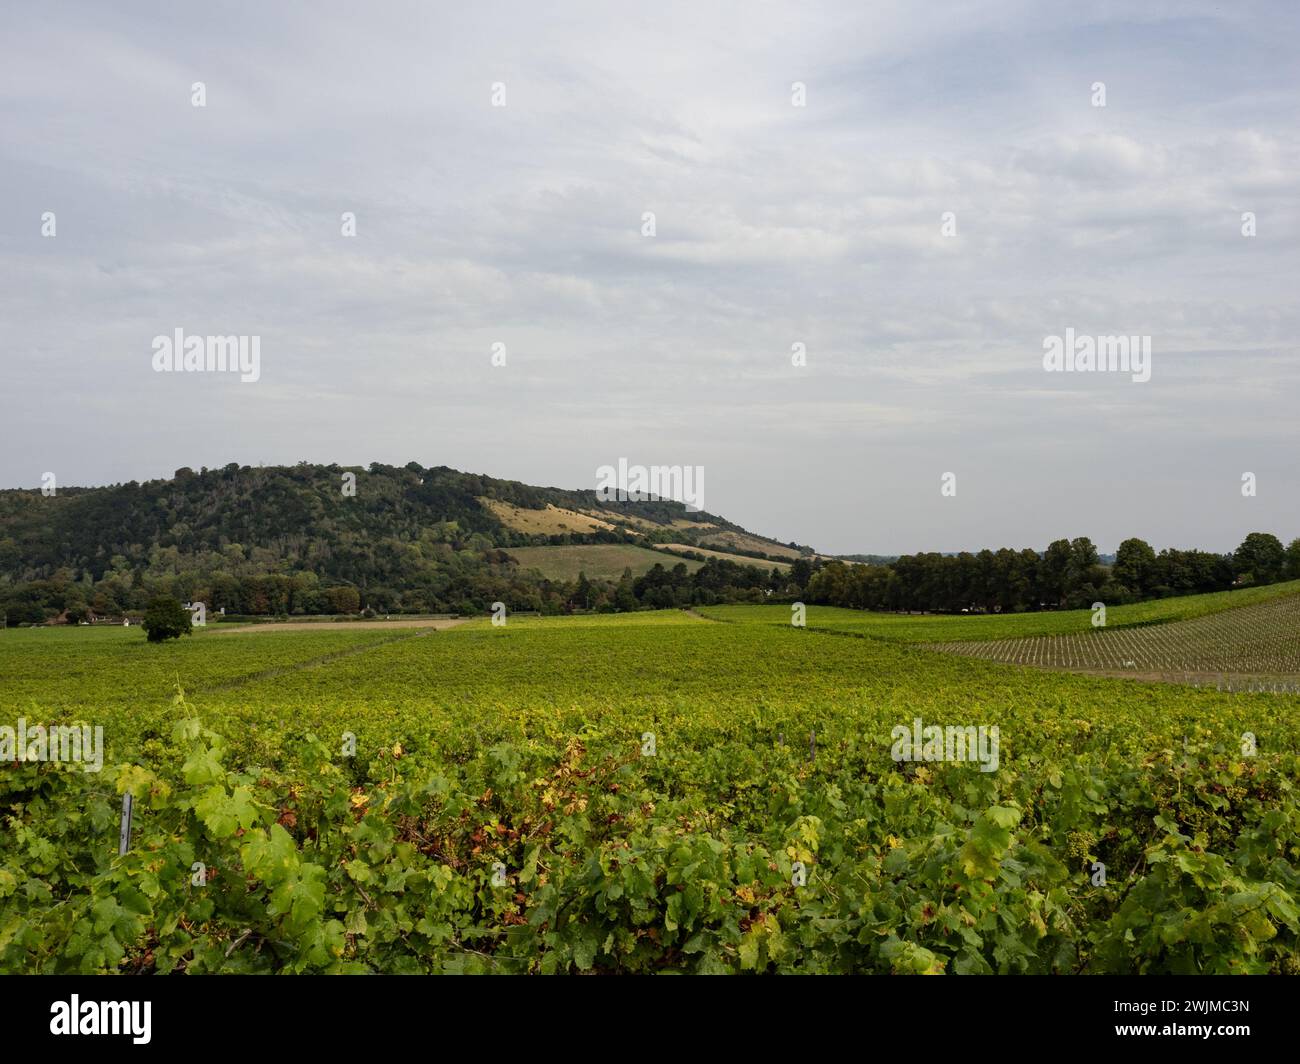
279	538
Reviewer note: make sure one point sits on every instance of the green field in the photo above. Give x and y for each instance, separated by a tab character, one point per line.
1260	640
603	561
938	628
643	792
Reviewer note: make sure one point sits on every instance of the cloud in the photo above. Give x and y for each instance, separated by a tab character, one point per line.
775	225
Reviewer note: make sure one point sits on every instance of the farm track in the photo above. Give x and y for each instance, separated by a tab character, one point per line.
1260	641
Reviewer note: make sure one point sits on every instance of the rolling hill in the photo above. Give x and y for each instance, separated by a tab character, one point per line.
304	515
334	539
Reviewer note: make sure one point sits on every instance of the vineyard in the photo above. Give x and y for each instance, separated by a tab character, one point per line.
652	792
939	628
1262	640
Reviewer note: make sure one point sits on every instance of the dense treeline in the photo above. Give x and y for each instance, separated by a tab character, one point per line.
1066	575
471	591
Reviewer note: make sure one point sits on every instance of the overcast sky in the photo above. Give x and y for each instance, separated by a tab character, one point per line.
775	225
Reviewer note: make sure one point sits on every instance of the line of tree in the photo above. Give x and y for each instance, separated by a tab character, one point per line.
1068	575
482	580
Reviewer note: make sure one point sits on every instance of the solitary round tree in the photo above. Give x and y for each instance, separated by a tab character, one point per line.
1262	555
166	619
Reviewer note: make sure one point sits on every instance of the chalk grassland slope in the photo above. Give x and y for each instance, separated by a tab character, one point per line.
598	560
644	525
742	541
551	520
703	536
631	522
1260	640
739	559
635	793
936	628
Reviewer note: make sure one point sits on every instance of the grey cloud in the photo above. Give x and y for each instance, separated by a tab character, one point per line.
775	225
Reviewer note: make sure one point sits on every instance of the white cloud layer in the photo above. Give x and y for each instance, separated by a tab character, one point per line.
775	225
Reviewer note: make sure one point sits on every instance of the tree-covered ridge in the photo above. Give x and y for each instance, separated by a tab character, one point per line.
303	539
299	515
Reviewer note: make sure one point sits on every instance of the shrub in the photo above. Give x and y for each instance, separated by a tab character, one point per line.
166	619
